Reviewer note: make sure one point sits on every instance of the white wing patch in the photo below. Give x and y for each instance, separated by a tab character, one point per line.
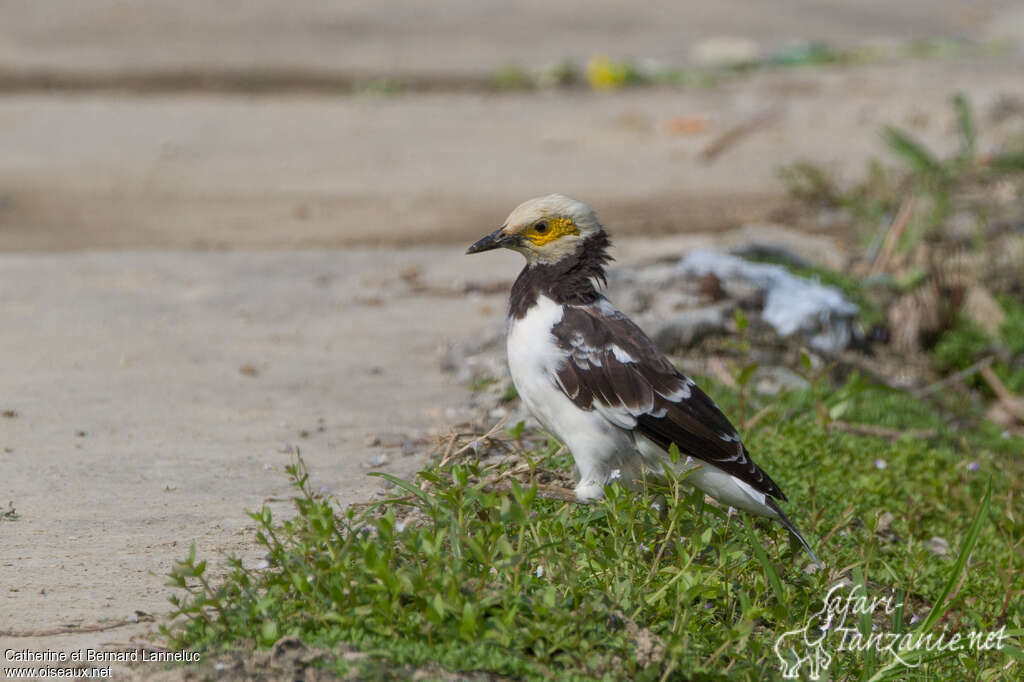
621	355
583	355
605	307
681	393
619	415
586	356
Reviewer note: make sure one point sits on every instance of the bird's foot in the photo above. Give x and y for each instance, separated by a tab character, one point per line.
589	491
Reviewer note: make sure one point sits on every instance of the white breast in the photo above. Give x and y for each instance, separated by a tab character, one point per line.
534	357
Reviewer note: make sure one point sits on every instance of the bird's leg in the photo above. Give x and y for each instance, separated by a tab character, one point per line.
588	491
592	481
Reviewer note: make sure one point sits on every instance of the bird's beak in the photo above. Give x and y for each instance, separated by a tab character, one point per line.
495	240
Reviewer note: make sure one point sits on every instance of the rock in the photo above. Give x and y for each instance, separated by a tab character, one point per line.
378	460
792	305
883	528
287	646
690	327
725	51
776	253
962	226
386	439
938	546
772	380
885	520
984	310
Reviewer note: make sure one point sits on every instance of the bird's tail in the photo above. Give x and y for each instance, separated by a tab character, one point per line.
791	527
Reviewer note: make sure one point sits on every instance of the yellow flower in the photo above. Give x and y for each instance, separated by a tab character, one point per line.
604	74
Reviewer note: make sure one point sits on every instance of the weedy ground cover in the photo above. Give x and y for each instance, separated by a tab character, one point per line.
476	567
499	579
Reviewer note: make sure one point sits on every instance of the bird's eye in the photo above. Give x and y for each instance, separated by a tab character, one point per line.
540	228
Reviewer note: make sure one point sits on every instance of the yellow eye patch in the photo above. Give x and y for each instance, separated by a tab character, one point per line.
547	231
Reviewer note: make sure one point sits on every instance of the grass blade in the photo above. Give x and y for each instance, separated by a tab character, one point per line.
406	486
971	539
912	152
968	132
769	569
939	608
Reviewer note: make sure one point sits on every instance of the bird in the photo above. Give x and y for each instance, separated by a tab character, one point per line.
595	381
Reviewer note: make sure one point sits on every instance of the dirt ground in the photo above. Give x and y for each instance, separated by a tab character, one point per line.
193	283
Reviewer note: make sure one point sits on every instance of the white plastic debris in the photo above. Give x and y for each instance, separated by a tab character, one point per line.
792	304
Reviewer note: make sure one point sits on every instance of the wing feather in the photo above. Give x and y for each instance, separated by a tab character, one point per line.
614	368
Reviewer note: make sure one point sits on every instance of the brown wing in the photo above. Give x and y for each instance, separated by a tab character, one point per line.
614	368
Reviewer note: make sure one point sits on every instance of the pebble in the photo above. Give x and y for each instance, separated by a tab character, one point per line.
773	380
938	546
690	327
885	520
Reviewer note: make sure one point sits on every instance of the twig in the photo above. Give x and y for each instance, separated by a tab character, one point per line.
487	436
137	645
996	384
758	416
1009	402
75	629
449	446
892	236
882	431
844	518
549	492
736	133
451	454
959	376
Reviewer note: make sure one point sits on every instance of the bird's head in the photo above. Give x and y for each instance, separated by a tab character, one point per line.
545	230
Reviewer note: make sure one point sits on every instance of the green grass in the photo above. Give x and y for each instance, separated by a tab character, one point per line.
966	343
939	186
514	584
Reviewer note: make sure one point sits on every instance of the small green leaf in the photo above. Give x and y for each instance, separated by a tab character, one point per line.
268	632
740	319
965	125
516	432
746	374
912	152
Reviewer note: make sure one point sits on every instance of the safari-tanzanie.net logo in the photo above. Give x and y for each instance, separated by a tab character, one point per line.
827	633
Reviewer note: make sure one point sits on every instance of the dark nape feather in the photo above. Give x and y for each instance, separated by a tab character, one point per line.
569	281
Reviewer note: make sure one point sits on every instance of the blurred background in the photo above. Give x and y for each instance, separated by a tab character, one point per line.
261	123
231	228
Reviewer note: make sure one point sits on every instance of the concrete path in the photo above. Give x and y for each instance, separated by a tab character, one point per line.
447	37
228	171
149	399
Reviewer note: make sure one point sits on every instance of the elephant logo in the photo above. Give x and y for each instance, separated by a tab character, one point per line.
802	646
802	649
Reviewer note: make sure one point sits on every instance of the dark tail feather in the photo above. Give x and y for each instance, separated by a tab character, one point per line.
791	527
